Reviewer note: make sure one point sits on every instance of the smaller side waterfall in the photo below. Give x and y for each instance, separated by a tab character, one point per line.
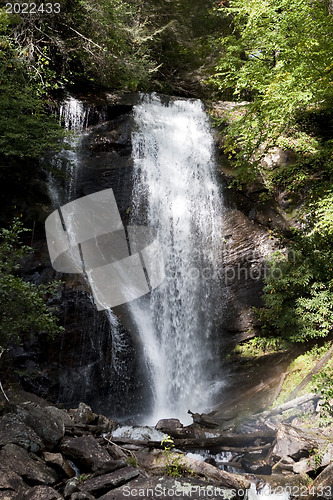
101	347
74	114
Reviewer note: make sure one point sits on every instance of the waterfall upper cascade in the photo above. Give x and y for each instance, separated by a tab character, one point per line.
176	192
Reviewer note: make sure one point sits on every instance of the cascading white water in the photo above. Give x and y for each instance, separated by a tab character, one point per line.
175	184
74	116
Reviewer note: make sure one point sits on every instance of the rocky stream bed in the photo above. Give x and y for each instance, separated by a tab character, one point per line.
48	453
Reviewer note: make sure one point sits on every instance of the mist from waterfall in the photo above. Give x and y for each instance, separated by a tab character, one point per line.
176	192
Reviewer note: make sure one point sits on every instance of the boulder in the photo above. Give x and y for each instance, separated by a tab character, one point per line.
57	413
104	424
174	428
8	495
42	493
102	484
168	425
255	463
71	487
297	484
46	422
170	488
204	419
291	442
31	468
321	458
116	452
83	414
11	484
14	430
89	454
322	486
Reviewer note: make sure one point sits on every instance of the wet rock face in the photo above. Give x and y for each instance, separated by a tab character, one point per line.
246	248
105	160
79	364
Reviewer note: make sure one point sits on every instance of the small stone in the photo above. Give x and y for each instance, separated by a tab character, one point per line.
71	487
56	459
81	495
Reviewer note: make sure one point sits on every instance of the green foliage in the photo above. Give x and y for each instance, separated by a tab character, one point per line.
324	385
279	57
83	478
22	304
258	346
182	47
27	130
174	464
316	457
132	461
298	291
298	369
89	41
119	44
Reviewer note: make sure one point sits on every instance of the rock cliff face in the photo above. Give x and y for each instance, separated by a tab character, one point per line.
79	366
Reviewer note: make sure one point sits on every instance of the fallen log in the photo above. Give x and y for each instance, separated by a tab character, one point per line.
123	442
157	462
288	405
228	439
307	379
204	419
145	443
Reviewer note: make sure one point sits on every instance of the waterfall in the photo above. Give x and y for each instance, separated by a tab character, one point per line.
73	115
176	192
